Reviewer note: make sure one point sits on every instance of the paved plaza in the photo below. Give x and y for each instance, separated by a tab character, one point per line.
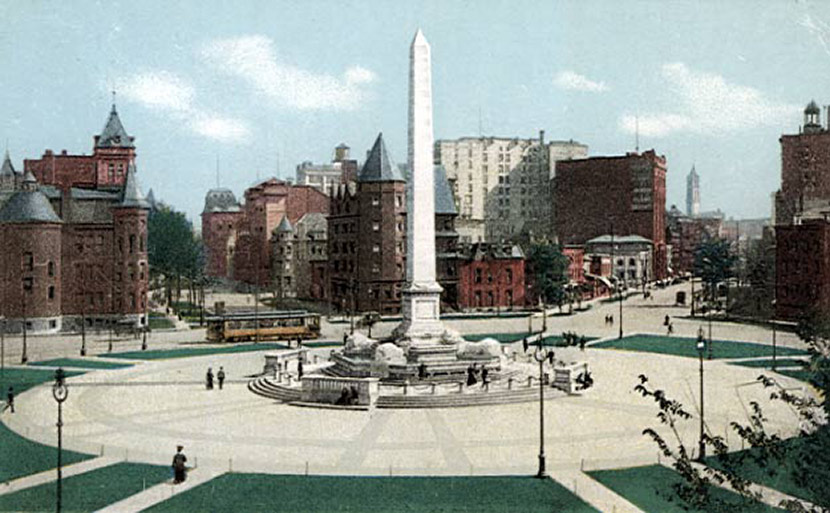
140	413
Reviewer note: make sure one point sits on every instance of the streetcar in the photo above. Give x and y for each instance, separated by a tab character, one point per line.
267	325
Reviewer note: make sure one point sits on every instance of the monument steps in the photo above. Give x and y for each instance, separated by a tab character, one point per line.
455	400
265	387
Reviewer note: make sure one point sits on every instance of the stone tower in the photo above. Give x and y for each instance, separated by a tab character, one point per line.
282	254
692	193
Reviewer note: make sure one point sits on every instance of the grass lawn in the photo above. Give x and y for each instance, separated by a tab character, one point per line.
89	491
504	338
21	457
81	363
24	379
557	341
650	489
767	363
680	346
195	351
243	493
160	322
775	475
324	343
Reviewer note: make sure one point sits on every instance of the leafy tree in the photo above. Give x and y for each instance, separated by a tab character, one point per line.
714	263
549	272
173	249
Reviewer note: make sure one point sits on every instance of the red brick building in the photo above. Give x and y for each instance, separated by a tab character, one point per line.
491	276
802	263
367	237
684	234
75	232
626	194
237	236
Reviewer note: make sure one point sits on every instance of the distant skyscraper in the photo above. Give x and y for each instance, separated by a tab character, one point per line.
692	193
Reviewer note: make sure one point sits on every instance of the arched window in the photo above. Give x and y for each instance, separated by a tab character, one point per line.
50	268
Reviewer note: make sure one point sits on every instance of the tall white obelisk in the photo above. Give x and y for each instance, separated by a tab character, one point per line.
421	297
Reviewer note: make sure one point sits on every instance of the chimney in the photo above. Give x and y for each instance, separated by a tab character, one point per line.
542	137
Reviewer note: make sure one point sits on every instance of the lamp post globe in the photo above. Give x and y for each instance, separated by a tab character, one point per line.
60	392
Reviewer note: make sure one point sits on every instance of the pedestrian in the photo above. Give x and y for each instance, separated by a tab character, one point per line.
299	341
484	374
611	320
422	371
582	343
209	379
345	337
179	470
666	321
221	377
524	344
471	375
9	400
671	328
300	368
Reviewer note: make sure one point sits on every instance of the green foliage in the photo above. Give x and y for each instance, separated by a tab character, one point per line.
173	247
549	271
714	261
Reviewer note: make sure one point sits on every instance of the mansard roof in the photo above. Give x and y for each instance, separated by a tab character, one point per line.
379	166
114	135
444	202
220	200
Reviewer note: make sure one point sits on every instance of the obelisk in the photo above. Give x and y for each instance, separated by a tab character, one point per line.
422	295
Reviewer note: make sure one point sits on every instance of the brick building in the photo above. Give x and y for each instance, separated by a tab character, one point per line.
74	229
684	234
502	185
624	194
367	237
802	263
311	256
491	276
237	237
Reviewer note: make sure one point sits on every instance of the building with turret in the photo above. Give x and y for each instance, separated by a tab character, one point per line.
75	232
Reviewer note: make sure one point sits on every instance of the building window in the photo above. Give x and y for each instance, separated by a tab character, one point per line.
376	248
27	284
398	201
375	226
375	268
478	276
509	275
28	261
50	268
50	292
375	201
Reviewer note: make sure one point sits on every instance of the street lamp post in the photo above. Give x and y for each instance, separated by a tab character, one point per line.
25	357
701	346
711	295
540	355
60	392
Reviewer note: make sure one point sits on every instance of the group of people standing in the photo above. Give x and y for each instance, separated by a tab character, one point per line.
474	374
220	378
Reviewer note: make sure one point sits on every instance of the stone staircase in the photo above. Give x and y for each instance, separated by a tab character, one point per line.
266	387
519	394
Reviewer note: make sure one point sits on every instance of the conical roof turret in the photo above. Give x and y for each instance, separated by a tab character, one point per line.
7	169
379	166
131	195
285	225
114	135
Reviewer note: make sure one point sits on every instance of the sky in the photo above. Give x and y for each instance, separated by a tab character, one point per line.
255	88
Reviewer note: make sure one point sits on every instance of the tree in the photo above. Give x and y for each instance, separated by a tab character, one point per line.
549	272
173	249
714	263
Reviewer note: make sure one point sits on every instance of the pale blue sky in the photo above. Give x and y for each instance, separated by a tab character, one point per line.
713	83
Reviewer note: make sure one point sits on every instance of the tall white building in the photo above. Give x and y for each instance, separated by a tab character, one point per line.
324	176
502	185
693	193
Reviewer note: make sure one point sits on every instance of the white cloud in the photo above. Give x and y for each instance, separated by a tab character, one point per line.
174	97
707	104
573	81
253	59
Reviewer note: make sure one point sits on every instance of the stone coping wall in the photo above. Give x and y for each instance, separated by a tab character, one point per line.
340	391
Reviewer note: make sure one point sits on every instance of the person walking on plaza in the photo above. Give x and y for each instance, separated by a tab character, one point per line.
209	379
671	328
524	344
221	377
484	375
300	368
9	400
666	321
179	470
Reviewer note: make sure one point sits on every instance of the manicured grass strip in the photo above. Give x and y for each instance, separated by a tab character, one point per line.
24	379
324	343
504	338
247	493
680	346
801	375
83	364
650	489
767	363
89	491
21	457
776	474
194	351
558	341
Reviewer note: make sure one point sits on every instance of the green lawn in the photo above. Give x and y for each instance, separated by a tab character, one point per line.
81	363
650	489
160	322
89	491
24	379
324	343
558	341
195	351
680	346
767	363
242	493
504	338
775	474
21	457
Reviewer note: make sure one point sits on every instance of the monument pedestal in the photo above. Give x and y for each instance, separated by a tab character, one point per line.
421	323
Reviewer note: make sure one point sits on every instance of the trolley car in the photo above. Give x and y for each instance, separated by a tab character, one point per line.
267	325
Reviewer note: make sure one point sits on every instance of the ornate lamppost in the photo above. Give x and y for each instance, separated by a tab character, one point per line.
60	393
540	355
27	287
701	347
